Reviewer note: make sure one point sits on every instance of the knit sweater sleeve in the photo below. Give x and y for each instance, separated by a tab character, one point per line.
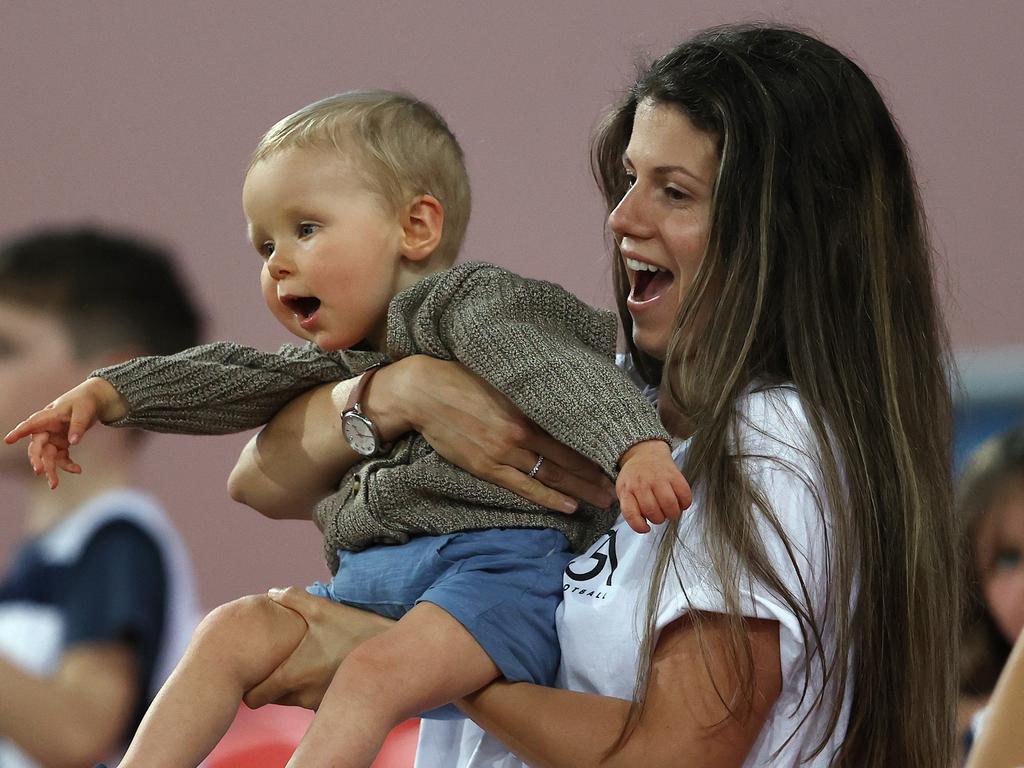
548	352
218	388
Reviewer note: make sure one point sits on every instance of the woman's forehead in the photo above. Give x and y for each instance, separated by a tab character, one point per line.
663	137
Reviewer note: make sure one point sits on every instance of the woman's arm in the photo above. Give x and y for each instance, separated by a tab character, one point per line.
301	454
1001	741
298	458
685	721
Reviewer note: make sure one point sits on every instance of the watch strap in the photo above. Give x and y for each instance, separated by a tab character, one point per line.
356	395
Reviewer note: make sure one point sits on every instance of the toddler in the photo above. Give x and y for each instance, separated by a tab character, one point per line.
357	205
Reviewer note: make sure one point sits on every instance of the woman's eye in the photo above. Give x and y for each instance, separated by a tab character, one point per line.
672	193
305	230
1006	559
630	180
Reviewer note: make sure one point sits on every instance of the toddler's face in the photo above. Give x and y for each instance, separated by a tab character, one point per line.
999	550
331	251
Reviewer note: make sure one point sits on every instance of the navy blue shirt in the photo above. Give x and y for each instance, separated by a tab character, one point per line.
114	593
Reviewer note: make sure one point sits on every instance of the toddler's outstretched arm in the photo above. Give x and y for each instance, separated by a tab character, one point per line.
61	424
650	487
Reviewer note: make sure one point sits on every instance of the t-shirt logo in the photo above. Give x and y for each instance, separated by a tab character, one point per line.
603	554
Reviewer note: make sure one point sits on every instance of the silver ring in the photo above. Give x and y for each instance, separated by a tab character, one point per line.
536	467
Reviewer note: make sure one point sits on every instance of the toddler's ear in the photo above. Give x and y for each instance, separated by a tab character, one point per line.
422	226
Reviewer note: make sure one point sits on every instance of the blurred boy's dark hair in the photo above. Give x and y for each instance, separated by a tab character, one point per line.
112	291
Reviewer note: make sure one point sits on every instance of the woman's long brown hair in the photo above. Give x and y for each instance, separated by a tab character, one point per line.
817	274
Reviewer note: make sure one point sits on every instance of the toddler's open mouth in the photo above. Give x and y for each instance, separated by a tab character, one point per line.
304	307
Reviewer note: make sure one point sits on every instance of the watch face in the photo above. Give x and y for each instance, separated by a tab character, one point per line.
359	433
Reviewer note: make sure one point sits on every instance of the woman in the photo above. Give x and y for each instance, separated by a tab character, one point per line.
774	282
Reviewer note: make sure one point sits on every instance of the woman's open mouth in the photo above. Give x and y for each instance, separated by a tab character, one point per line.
649	282
303	307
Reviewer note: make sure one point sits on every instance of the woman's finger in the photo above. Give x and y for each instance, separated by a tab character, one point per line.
333	630
299	600
533	490
554	476
540	442
564	470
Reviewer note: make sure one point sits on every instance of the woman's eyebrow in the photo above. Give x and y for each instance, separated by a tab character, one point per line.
664	170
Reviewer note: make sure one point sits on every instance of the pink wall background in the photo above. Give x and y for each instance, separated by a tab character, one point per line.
143	115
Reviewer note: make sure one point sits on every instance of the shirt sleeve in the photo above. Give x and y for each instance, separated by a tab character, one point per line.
218	388
117	591
551	354
782	467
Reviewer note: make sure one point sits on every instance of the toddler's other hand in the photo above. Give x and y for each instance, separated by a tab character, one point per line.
650	486
62	423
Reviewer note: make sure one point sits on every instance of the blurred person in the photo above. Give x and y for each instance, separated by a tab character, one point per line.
990	501
98	601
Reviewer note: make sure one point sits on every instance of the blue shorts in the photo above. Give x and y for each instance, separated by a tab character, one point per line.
502	584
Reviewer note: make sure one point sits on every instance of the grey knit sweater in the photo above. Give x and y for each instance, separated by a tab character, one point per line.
550	353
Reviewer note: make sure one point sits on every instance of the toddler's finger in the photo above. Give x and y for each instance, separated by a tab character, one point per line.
682	490
49	455
35	451
631	514
667	501
64	462
82	417
24	429
649	506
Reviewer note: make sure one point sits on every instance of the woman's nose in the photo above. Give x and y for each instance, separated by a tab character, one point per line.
628	218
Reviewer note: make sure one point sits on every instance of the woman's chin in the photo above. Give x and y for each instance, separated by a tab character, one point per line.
650	344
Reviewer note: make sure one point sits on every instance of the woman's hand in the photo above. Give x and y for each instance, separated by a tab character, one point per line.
333	629
477	428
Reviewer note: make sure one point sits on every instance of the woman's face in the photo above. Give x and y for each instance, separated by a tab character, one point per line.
999	552
661	224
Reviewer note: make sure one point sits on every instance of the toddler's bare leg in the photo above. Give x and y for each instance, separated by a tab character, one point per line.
427	659
237	646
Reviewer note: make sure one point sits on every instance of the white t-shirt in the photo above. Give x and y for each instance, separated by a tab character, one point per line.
601	619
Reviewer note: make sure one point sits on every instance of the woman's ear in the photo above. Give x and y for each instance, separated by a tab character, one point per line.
422	226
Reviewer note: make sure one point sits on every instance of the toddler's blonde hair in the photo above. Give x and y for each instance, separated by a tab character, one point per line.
401	145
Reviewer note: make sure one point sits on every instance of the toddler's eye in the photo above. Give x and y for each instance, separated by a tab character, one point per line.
305	230
266	250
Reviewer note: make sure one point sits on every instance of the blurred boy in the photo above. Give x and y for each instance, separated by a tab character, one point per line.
98	602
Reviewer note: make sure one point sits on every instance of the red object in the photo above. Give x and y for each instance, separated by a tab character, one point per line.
266	738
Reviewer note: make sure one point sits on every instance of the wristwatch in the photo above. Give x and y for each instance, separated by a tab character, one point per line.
359	430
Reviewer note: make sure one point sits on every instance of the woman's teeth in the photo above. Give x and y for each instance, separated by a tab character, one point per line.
641	266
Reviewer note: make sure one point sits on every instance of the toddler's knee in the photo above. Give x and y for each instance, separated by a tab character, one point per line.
248	635
242	622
